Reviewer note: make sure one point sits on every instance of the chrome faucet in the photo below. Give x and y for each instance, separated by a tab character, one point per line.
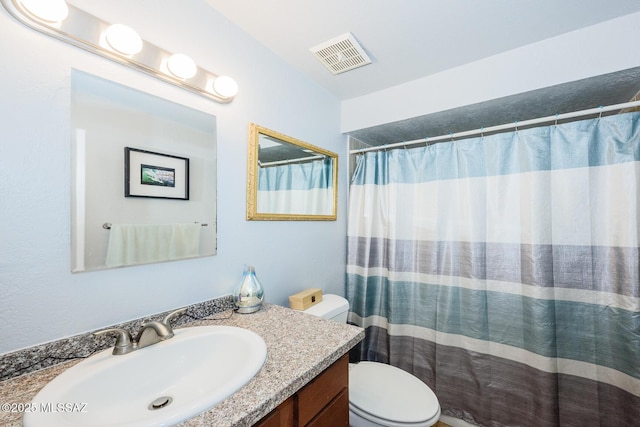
150	333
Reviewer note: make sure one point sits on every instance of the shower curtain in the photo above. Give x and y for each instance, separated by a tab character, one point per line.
296	188
503	271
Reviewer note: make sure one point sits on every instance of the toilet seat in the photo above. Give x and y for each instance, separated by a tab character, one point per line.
389	396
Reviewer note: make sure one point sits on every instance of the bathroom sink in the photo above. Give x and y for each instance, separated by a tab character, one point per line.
159	385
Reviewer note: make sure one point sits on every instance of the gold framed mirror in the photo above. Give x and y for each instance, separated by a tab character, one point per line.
289	179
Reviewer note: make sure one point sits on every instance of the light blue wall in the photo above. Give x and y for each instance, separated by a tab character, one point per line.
40	300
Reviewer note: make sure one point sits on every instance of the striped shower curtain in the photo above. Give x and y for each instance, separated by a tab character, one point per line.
503	271
296	188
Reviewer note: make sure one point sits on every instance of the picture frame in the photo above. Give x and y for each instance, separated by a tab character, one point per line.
155	175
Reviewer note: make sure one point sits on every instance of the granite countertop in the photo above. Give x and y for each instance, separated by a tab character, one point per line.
299	347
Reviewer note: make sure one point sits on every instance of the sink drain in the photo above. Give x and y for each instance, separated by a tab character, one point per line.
160	403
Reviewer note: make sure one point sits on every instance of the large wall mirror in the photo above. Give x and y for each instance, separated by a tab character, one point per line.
289	179
143	177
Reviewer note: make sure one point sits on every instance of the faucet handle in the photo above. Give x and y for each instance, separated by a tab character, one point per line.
169	317
124	343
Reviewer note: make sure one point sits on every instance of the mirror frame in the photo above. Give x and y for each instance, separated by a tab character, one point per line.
252	177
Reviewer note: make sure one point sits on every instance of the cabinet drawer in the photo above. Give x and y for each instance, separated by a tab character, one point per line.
322	390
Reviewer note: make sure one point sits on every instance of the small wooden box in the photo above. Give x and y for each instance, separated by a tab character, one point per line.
305	299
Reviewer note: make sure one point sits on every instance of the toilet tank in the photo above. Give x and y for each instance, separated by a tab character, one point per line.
332	307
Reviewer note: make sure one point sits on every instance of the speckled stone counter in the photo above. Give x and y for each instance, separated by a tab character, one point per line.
299	347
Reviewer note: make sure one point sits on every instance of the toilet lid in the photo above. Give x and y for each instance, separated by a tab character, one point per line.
387	392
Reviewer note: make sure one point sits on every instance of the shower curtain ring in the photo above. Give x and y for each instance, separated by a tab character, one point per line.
556	122
600	115
451	135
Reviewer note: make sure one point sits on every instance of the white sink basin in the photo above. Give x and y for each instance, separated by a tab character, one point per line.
197	368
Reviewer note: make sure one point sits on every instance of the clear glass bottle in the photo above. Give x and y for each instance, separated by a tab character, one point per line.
249	295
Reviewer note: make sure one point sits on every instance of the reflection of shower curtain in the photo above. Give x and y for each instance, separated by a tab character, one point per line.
504	271
296	188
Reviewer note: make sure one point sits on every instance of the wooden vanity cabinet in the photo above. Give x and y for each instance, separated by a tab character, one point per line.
322	402
282	416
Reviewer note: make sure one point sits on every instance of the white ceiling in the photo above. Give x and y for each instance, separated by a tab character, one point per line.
408	39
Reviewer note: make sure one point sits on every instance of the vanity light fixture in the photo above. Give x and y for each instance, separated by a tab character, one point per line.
181	66
123	39
121	44
51	11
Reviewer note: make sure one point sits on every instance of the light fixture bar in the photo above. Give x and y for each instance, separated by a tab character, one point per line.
87	32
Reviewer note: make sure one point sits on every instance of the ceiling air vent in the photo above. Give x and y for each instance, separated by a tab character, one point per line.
341	54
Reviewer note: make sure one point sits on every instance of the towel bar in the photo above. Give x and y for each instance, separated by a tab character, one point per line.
107	225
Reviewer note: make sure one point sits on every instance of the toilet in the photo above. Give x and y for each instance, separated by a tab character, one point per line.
381	394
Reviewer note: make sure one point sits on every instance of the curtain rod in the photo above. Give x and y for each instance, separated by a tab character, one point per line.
502	127
289	161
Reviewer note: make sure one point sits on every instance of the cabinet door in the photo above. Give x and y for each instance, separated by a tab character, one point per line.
336	414
323	390
282	416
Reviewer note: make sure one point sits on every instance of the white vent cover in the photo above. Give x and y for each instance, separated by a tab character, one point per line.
341	54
